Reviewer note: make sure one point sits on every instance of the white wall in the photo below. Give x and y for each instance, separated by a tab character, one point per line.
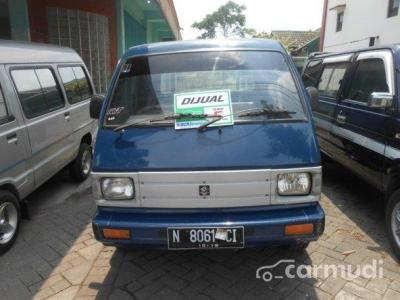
362	19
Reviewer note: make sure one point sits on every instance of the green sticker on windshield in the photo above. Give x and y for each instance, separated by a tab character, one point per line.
210	103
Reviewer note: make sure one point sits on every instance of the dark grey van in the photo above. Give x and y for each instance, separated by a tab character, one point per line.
44	123
357	117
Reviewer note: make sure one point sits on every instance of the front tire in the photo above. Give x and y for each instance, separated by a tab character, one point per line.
80	168
393	222
10	219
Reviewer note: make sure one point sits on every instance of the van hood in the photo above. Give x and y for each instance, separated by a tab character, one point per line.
242	146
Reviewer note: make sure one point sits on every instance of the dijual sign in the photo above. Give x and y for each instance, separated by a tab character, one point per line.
215	103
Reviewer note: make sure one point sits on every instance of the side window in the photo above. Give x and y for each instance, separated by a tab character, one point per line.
369	77
50	89
312	72
76	83
3	108
37	91
83	83
331	79
70	85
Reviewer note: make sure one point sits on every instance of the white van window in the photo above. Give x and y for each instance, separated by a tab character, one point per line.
76	83
37	90
50	89
369	77
331	79
3	108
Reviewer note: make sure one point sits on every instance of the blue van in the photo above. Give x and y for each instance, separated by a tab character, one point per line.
358	119
205	145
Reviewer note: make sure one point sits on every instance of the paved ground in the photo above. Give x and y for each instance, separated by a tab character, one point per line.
57	257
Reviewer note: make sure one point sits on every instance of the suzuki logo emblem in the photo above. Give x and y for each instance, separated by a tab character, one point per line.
204	190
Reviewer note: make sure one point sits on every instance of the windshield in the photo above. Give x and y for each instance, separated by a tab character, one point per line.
148	85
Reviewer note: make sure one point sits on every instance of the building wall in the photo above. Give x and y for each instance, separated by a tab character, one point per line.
38	18
135	33
362	19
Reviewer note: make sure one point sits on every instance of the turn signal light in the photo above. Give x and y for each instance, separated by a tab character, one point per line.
116	234
299	229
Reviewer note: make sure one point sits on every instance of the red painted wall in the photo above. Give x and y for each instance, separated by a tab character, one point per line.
38	18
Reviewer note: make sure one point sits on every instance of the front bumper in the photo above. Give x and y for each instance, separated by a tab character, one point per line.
263	226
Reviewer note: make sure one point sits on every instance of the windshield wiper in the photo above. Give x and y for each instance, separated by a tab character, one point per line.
284	114
179	116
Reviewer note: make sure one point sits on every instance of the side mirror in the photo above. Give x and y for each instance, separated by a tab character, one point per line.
380	100
95	106
313	92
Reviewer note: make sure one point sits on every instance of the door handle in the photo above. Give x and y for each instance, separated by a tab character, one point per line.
67	115
341	119
12	138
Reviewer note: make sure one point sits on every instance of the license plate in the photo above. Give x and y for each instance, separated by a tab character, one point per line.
205	238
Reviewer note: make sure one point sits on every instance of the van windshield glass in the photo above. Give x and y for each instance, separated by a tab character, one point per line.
256	80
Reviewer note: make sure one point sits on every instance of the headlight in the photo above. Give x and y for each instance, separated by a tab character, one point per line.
117	188
292	184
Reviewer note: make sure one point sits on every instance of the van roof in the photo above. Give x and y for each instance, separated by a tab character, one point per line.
318	55
15	52
200	45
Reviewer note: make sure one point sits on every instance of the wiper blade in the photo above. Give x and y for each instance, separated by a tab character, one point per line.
179	116
268	112
246	113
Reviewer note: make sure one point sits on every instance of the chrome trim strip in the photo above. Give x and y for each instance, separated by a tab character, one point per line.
236	188
387	58
338	59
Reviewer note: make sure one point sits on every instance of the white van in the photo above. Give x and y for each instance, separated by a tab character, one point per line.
44	123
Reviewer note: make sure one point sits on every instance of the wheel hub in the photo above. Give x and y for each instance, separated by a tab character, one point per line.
8	221
395	222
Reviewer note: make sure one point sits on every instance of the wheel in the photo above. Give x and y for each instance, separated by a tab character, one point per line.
81	166
10	218
393	222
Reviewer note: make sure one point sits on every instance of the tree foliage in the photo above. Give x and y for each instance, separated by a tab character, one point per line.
229	19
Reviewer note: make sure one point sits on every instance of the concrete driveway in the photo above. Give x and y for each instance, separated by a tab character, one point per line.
56	256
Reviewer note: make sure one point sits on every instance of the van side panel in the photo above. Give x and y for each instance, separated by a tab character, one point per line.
50	137
14	154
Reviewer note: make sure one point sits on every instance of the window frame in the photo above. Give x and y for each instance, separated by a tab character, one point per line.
388	61
340	89
8	117
291	67
392	10
319	61
87	75
35	67
339	21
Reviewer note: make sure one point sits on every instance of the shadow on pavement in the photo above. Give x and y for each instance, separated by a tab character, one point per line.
139	274
362	205
59	213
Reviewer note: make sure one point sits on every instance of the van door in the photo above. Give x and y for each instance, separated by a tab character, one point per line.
13	148
47	119
361	130
79	91
329	87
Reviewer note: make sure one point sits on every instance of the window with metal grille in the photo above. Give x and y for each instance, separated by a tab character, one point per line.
339	21
88	34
